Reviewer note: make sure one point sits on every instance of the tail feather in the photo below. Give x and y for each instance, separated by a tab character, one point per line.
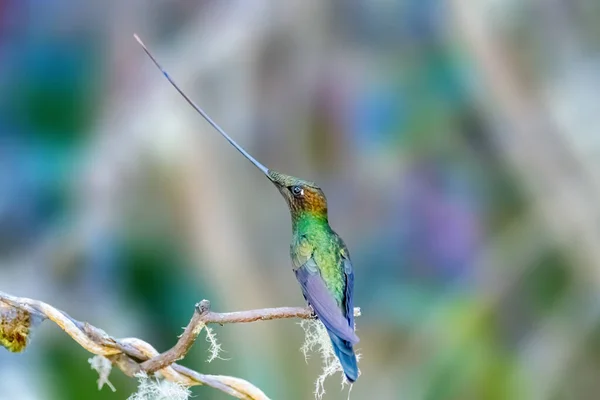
345	353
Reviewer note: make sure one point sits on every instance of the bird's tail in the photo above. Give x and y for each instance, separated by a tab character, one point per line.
345	353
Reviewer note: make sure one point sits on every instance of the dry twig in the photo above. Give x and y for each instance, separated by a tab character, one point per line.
133	356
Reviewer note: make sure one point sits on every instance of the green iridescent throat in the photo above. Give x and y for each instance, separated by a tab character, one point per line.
304	220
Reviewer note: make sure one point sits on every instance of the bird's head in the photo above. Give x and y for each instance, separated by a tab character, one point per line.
300	195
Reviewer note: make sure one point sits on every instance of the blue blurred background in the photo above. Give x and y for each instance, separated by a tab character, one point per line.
458	143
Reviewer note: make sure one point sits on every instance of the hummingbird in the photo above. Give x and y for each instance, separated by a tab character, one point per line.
320	258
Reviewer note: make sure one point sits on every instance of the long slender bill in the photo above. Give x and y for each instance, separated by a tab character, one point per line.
260	166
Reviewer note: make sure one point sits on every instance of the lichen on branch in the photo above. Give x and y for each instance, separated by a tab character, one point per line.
15	326
135	357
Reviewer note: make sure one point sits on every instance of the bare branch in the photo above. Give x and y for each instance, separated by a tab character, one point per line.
132	355
203	316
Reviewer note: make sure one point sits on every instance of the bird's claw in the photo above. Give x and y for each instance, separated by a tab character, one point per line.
313	314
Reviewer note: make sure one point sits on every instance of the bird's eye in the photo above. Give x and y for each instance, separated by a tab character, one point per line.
297	191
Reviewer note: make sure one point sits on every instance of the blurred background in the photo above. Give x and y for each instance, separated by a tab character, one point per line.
458	143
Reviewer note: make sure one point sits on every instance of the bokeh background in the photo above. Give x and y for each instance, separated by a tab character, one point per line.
458	143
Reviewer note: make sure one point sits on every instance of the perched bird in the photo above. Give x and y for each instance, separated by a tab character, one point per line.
320	259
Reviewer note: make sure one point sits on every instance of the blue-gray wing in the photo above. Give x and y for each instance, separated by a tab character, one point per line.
325	306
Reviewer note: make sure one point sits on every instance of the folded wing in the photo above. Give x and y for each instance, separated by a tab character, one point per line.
325	306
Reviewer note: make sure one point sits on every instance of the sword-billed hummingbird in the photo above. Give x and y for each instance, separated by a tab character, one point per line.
320	259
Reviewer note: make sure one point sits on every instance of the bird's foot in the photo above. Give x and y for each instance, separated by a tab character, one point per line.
313	314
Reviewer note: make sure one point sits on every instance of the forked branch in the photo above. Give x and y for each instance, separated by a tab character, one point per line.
132	355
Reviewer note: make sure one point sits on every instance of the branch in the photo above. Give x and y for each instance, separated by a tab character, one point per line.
132	355
203	316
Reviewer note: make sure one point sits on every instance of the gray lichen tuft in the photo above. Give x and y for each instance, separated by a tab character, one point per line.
150	388
316	339
103	367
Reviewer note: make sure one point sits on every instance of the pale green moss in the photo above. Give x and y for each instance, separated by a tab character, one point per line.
15	326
